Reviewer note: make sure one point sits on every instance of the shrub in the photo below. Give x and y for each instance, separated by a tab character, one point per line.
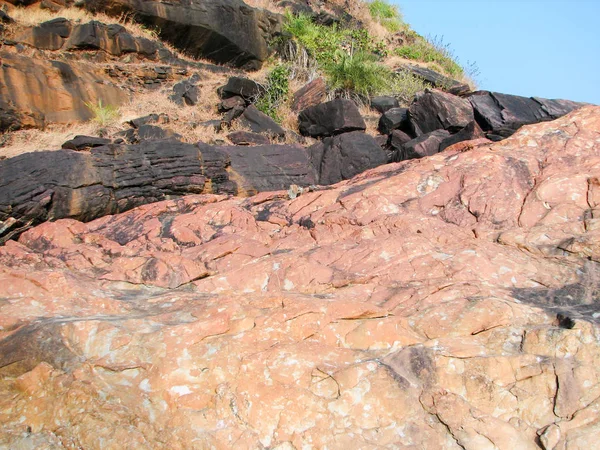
103	114
358	73
276	92
387	15
432	51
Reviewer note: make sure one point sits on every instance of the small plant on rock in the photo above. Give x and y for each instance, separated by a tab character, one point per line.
103	114
276	92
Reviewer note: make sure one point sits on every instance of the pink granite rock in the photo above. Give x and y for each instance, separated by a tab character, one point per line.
448	302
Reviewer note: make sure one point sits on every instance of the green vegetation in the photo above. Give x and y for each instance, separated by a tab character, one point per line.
358	73
103	114
432	51
387	15
348	58
276	93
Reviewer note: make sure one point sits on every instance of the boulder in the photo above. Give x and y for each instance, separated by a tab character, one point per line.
392	119
259	122
468	133
246	88
236	102
500	115
48	35
310	94
397	139
246	138
147	133
436	110
425	145
437	80
186	92
224	31
263	168
113	39
343	156
50	185
35	92
85	142
330	118
150	119
384	103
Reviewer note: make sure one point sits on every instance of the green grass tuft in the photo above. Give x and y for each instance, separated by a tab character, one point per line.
387	15
103	114
276	93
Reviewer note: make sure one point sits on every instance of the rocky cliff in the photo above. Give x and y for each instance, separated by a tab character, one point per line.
202	271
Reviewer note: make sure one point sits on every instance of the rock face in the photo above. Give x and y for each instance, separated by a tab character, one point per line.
436	110
36	187
448	302
346	155
34	92
330	118
225	31
500	115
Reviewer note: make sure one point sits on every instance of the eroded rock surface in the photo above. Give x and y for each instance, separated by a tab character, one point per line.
447	302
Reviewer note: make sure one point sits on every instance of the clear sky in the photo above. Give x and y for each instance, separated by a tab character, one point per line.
543	48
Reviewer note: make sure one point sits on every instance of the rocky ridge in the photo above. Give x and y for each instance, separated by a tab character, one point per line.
446	302
419	274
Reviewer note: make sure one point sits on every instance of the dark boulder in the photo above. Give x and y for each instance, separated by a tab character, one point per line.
424	145
113	39
247	138
310	94
225	31
437	80
85	142
392	119
186	92
343	156
397	139
384	103
330	118
150	119
269	167
471	131
147	133
259	122
49	35
235	102
500	115
50	185
436	110
246	88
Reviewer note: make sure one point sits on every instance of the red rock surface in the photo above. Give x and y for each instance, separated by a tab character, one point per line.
449	302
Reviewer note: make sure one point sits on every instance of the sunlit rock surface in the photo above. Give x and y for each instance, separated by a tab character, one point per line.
443	303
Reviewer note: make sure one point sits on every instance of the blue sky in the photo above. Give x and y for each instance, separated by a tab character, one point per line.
547	48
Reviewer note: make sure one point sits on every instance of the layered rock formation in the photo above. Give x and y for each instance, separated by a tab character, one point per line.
447	302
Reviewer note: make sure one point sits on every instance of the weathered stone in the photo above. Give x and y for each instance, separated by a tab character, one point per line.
422	304
501	114
436	110
246	138
246	88
85	142
225	31
392	119
437	80
470	132
310	94
346	155
150	119
268	167
49	35
186	92
235	102
330	118
384	103
425	145
259	122
37	92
